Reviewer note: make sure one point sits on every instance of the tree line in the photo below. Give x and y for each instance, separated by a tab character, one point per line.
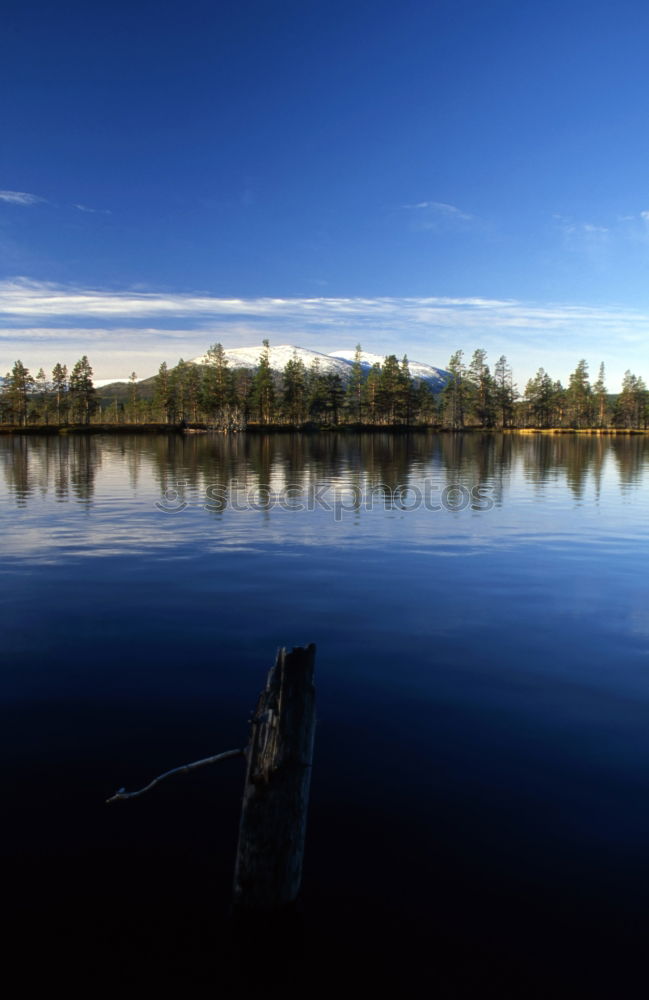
214	394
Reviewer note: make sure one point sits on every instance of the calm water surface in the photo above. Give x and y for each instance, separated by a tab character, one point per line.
480	801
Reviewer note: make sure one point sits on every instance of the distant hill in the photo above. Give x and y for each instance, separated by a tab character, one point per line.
118	390
337	363
248	357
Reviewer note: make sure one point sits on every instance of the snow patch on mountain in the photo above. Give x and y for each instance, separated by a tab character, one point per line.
436	377
248	357
338	363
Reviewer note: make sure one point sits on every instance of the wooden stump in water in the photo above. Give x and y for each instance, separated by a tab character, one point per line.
272	830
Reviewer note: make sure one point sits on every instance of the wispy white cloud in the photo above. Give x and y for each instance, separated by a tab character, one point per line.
592	241
26	199
92	211
20	198
135	329
437	216
574	228
441	208
611	235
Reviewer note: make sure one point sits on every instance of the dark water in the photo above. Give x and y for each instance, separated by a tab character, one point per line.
480	800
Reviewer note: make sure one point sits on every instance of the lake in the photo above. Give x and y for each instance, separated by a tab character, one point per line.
480	794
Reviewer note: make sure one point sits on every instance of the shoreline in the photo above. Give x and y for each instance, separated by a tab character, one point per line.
65	429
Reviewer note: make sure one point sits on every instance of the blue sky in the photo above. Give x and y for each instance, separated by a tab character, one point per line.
421	177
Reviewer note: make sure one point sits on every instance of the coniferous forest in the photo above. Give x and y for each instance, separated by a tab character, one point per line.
215	395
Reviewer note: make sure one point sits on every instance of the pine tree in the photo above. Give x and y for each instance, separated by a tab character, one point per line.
371	393
178	391
60	389
19	384
82	391
194	390
504	393
354	393
579	397
162	394
132	397
456	393
316	392
263	388
406	405
42	388
242	392
294	390
217	385
482	390
544	400
600	397
632	403
390	389
334	395
425	403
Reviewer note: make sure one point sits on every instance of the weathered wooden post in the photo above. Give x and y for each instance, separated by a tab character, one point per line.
268	869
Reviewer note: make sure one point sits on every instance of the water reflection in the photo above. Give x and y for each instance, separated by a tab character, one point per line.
503	652
71	468
58	465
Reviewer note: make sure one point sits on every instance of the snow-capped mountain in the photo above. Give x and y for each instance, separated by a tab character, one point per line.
248	357
337	363
436	377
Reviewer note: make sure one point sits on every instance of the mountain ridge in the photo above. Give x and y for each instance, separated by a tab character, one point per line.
336	363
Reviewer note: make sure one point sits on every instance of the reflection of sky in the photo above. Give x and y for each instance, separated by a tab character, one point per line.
52	512
502	652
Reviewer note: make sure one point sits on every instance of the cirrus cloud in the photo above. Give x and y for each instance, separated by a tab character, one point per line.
20	198
127	328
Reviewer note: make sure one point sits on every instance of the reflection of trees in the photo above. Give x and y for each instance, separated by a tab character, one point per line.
65	465
578	458
60	462
631	455
16	455
54	464
84	460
